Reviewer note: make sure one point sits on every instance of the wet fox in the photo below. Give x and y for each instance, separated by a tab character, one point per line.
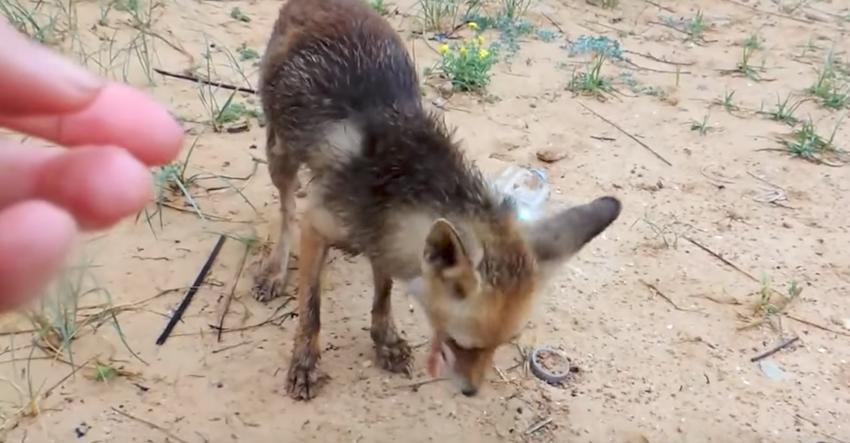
389	182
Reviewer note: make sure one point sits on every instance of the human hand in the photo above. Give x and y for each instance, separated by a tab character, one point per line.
114	134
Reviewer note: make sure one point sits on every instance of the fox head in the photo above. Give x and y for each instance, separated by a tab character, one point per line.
479	280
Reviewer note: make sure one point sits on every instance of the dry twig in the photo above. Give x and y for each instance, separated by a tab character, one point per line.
229	299
658	292
416	385
538	426
196	79
775	349
627	134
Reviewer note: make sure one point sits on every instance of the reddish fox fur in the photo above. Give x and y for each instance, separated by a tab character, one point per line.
390	183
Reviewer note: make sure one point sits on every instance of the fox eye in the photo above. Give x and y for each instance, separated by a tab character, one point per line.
458	290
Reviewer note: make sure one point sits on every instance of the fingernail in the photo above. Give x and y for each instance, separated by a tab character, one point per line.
41	61
77	78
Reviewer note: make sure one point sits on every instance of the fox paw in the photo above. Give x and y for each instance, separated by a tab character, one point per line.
395	357
268	287
304	380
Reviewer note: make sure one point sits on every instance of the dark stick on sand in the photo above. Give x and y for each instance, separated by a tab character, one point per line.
775	349
178	314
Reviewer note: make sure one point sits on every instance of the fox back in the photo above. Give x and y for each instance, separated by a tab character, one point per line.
390	182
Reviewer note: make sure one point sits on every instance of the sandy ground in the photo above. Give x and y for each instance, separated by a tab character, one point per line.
669	364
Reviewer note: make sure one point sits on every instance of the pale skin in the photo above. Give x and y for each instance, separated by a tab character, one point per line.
108	136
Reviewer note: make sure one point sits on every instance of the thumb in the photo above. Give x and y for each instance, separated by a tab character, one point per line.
37	81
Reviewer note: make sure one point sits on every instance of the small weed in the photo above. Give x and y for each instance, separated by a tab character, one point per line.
655	91
104	373
837	99
510	32
669	232
695	27
131	6
547	35
380	6
445	15
744	67
828	87
143	49
142	46
237	14
727	101
701	126
609	4
509	21
104	13
591	82
246	53
601	44
785	109
634	85
167	179
172	181
753	42
217	114
39	24
231	111
62	318
234	65
771	302
808	144
513	10
467	64
810	46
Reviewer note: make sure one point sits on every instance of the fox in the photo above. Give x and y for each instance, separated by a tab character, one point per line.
390	182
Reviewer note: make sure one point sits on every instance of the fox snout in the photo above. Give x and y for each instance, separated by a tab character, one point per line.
469	378
465	367
469	390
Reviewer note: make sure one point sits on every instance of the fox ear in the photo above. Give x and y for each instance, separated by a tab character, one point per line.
557	238
450	259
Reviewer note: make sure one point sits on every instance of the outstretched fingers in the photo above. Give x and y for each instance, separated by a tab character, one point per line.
98	186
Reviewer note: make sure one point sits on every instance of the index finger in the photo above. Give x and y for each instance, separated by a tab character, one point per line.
119	116
36	80
43	94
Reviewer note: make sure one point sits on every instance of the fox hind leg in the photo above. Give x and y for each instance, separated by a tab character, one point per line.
270	282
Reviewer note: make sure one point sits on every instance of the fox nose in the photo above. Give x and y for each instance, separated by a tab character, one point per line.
469	391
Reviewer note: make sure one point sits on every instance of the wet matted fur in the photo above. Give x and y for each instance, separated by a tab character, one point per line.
342	97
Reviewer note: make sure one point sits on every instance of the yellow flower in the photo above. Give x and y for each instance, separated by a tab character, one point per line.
472	25
480	40
443	49
483	53
462	50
